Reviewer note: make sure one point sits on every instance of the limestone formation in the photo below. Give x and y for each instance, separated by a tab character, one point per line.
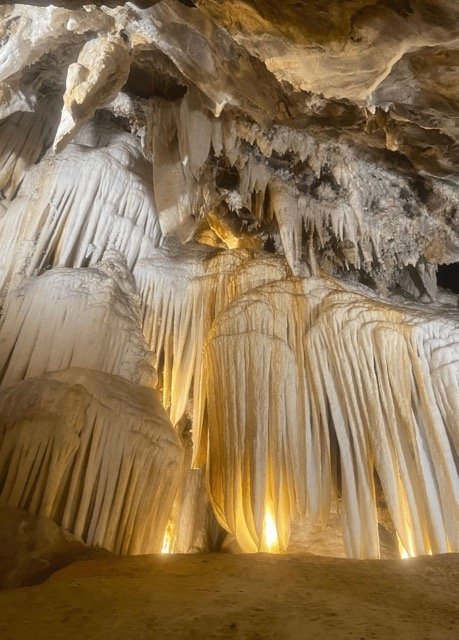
34	547
93	452
221	225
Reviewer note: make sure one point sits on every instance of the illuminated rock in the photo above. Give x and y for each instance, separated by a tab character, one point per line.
307	380
75	318
93	452
252	199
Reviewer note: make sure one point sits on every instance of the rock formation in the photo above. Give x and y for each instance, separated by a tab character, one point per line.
34	547
221	227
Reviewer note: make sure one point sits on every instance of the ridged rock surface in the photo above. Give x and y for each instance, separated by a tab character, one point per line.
221	225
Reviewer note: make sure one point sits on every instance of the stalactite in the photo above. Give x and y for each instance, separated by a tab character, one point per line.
75	318
73	207
93	452
182	291
318	358
92	82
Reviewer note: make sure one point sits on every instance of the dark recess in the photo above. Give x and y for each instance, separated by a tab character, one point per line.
448	276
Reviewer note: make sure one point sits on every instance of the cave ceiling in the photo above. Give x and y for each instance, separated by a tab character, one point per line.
382	72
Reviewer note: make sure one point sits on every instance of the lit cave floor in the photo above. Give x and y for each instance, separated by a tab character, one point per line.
227	596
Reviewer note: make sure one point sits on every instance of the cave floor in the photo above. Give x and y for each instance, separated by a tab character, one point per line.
228	596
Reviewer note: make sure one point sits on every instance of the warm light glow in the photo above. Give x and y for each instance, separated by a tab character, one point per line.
410	552
167	540
270	537
404	554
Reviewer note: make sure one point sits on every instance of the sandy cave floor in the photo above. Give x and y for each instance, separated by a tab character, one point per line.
228	596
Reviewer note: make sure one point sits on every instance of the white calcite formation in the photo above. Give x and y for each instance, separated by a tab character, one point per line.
337	383
92	82
93	452
220	227
58	219
75	318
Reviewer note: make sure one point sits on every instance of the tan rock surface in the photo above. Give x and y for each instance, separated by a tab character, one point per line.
33	547
225	596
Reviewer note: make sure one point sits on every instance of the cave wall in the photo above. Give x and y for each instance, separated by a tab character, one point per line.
220	321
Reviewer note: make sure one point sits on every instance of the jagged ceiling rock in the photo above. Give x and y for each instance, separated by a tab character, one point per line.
338	49
78	4
413	103
399	57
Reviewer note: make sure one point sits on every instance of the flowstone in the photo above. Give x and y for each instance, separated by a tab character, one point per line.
221	226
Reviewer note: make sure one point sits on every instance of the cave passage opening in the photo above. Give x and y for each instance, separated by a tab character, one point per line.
448	276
